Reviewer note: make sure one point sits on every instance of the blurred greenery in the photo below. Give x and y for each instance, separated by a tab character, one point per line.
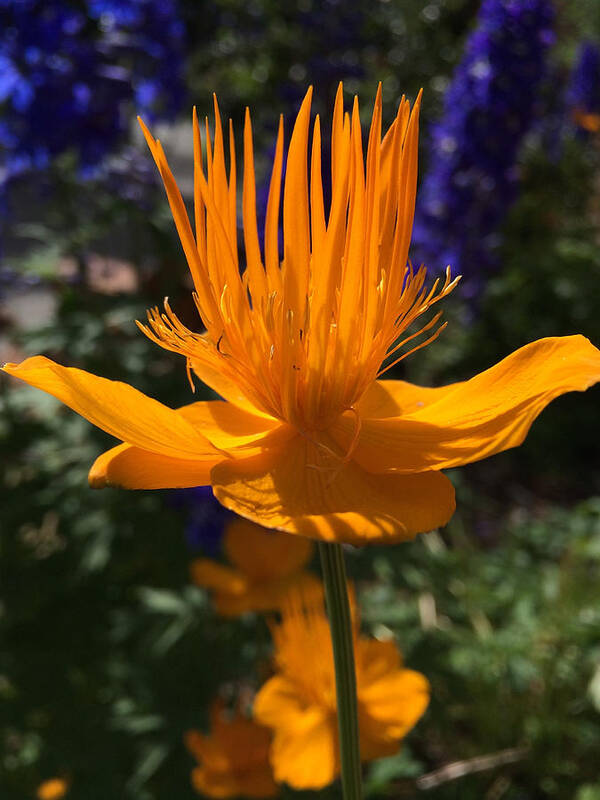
108	654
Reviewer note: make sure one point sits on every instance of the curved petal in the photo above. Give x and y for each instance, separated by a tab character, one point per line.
116	407
263	597
225	387
226	425
375	659
394	703
302	488
263	554
472	420
304	750
212	575
133	468
396	398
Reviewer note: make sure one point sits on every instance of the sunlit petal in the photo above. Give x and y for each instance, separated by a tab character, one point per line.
474	419
130	467
302	488
117	408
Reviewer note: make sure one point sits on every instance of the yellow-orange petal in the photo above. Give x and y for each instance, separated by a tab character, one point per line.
233	758
116	407
474	419
224	387
226	425
393	704
304	753
131	467
395	398
134	468
375	659
302	488
262	554
269	596
212	575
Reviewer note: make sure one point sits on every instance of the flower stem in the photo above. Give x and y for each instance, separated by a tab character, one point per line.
340	623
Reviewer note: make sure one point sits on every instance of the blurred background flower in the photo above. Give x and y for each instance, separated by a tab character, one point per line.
233	757
265	564
472	174
52	789
299	702
73	74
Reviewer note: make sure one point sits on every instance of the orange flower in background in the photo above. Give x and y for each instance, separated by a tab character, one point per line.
265	565
590	122
307	438
52	789
233	757
299	702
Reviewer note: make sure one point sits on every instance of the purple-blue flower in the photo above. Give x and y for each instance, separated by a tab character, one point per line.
72	76
472	173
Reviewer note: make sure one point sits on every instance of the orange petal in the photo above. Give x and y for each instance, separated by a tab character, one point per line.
396	398
117	408
133	468
375	659
224	387
469	421
394	704
304	750
211	575
269	596
226	425
263	554
302	489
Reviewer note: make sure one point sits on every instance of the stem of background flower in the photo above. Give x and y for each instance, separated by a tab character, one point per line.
340	623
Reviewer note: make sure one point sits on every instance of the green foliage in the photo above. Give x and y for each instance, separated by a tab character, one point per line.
509	640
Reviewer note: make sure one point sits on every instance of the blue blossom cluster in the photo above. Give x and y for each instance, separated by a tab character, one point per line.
71	75
491	103
583	95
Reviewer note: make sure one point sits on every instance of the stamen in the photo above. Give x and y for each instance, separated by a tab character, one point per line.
414	349
303	337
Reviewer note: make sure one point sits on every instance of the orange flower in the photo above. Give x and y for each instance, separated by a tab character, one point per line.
52	789
233	758
308	439
588	121
299	702
266	565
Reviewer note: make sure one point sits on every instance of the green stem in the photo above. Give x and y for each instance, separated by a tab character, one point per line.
340	623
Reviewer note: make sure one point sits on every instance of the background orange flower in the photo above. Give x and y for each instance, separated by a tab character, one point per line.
233	757
264	565
299	701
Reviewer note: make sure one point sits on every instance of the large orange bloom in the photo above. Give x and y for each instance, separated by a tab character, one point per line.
308	439
299	702
264	566
233	759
